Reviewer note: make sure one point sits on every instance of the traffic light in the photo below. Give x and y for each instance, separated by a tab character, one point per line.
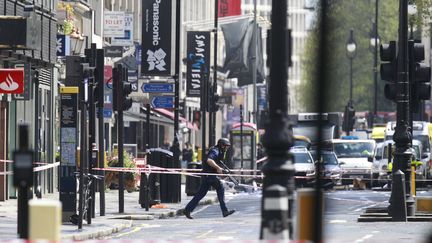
214	106
121	89
419	75
349	118
126	90
388	69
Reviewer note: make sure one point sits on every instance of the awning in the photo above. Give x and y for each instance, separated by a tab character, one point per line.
170	115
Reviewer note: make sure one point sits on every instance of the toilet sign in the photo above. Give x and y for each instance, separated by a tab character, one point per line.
11	81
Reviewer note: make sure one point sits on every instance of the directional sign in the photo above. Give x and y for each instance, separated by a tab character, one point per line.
157	88
163	102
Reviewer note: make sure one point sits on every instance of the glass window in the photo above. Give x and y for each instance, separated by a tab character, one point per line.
353	149
424	139
302	158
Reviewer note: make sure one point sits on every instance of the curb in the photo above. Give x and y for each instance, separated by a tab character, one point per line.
99	233
108	230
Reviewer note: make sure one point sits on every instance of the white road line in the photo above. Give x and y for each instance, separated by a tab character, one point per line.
364	238
205	234
337	221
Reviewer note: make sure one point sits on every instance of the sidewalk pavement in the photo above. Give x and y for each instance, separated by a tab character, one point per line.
101	226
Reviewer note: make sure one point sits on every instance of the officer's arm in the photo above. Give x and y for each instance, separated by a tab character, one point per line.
213	164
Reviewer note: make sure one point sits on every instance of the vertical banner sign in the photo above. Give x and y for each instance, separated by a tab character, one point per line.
229	8
108	94
158	34
198	61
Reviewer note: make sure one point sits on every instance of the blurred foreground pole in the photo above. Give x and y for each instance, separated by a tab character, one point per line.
317	201
278	183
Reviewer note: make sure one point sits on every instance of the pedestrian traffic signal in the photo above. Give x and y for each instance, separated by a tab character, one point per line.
214	106
388	69
419	75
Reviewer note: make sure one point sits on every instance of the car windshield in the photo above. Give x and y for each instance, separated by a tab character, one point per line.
302	158
301	143
329	159
424	139
353	149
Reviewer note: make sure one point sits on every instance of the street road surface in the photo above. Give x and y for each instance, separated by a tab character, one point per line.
342	211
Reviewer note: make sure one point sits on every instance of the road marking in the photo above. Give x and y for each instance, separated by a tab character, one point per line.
134	230
225	238
364	238
337	221
205	234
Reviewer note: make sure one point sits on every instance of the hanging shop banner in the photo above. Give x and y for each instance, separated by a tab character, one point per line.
158	32
11	81
127	39
114	24
229	8
198	61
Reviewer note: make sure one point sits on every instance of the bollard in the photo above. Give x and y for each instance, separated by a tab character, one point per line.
275	212
144	192
45	220
397	208
413	180
306	216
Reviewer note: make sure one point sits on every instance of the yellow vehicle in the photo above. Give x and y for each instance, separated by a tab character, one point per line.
378	133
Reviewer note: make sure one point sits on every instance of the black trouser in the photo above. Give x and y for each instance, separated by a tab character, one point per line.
206	183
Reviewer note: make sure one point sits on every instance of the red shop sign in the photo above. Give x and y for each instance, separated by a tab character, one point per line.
11	81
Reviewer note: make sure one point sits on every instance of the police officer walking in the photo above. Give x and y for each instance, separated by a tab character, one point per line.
215	155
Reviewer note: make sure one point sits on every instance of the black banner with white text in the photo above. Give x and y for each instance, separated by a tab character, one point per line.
158	34
198	61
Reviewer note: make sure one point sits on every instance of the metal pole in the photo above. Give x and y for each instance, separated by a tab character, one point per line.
214	88
402	135
203	116
100	83
176	145
254	65
351	81
120	99
148	112
375	67
241	139
279	170
321	103
91	59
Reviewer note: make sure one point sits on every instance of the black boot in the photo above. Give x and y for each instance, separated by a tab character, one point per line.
187	214
228	213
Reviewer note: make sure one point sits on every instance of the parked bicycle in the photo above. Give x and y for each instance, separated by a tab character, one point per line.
87	196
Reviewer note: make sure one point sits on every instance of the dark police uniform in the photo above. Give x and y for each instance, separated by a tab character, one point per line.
208	181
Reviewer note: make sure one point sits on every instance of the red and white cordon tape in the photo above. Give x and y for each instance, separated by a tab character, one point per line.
46	166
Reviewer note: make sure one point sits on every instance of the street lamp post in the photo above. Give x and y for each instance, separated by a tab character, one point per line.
374	42
351	49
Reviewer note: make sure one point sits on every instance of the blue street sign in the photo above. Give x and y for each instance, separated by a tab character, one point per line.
163	102
107	113
157	88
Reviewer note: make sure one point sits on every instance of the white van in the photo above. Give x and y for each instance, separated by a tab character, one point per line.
380	172
353	158
421	133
